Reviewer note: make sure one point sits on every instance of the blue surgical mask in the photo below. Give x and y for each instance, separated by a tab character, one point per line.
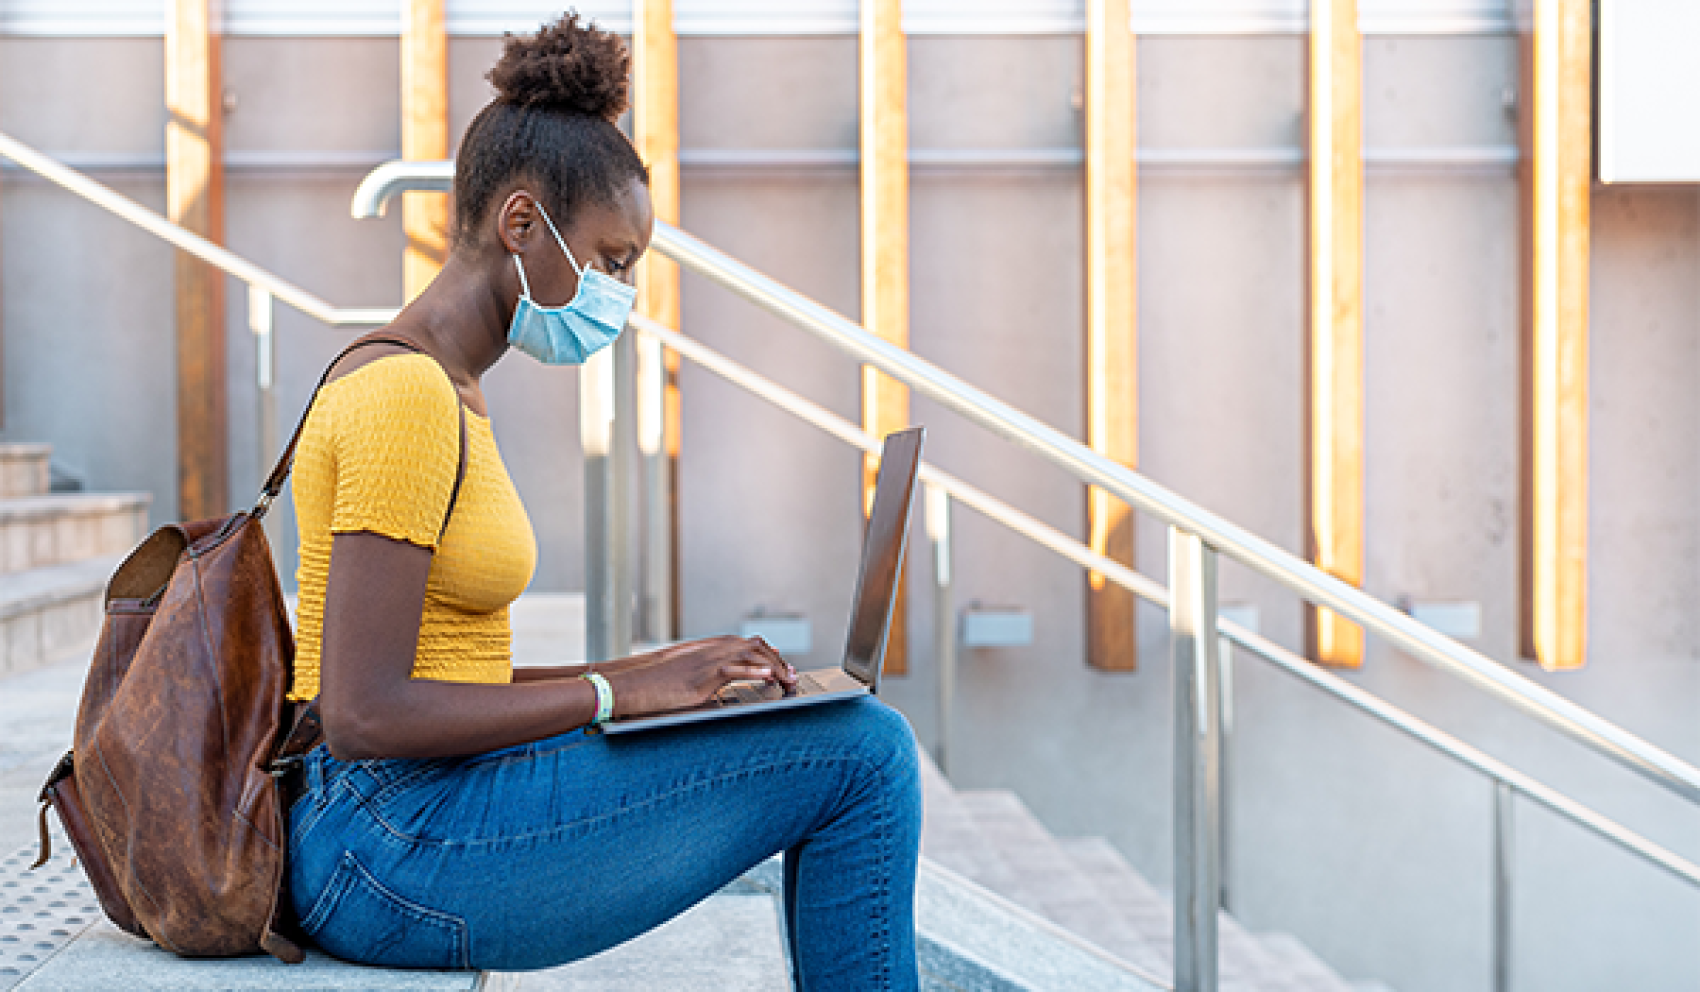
588	323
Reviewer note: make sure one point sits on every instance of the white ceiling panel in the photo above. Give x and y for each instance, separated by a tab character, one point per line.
755	17
1649	78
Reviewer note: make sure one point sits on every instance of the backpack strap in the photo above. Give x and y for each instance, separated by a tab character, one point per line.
286	460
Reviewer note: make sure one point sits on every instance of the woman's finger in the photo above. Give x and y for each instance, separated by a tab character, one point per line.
767	653
745	671
761	647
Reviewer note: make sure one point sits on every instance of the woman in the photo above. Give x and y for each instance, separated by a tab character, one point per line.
459	815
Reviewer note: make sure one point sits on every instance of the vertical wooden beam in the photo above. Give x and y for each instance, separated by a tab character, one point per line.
1334	411
1112	342
194	198
655	119
885	243
1557	176
424	138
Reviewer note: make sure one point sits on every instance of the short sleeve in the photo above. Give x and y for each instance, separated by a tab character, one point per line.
396	445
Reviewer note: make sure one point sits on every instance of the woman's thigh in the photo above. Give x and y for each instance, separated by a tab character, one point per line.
552	851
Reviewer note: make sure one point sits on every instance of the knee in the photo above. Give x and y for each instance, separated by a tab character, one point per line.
886	744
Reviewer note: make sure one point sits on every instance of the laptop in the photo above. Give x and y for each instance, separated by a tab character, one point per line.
870	615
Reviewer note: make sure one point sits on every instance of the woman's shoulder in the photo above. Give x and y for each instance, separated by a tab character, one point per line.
400	383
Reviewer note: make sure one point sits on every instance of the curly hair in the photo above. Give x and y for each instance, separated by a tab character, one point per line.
559	94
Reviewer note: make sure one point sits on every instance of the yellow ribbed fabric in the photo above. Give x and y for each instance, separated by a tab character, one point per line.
379	454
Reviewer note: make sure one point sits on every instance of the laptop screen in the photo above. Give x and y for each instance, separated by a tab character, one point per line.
882	555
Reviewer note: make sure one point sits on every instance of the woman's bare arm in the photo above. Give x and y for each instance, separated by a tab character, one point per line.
372	707
544	673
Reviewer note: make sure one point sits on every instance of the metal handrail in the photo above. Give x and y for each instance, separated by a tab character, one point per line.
264	288
1152	591
1310	582
1228	538
375	191
116	203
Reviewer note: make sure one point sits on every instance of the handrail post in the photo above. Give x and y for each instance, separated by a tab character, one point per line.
261	314
622	466
656	607
1225	771
605	426
1503	834
1194	650
944	617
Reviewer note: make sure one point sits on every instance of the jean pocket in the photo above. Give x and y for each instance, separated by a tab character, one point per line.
357	918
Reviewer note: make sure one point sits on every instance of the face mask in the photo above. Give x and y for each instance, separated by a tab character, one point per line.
588	323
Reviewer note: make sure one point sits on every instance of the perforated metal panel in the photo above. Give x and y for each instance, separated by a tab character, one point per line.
40	910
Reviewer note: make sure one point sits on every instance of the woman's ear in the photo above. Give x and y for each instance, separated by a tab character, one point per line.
516	221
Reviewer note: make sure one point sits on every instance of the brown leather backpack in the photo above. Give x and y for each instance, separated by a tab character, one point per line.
170	795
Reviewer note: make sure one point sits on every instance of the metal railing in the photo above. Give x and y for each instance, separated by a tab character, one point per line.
1202	663
1220	535
265	289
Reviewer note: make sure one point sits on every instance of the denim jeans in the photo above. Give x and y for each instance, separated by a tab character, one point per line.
541	854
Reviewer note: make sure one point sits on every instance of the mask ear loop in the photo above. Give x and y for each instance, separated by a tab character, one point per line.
578	269
524	287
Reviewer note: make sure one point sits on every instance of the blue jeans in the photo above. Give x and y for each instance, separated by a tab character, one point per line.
536	855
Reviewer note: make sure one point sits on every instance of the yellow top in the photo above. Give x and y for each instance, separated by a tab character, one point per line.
379	453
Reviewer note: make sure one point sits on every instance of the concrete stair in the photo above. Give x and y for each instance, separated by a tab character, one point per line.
1087	887
57	551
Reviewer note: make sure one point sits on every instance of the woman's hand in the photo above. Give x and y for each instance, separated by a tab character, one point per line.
690	673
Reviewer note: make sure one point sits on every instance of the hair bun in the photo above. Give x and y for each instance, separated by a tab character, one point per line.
566	66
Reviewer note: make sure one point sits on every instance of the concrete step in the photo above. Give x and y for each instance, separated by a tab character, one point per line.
950	837
1309	972
48	611
1243	964
1055	887
66	527
1086	886
53	937
24	469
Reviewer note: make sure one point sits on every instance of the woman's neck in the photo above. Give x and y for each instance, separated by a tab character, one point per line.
461	319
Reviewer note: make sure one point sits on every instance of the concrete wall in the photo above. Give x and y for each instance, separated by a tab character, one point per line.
1370	848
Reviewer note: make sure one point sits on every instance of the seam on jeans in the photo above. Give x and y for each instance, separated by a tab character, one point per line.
324	904
882	874
532	751
327	800
588	823
426	766
387	789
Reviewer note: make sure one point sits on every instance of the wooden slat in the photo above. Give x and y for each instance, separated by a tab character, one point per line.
885	243
655	120
194	198
1553	567
1112	342
424	138
1334	442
